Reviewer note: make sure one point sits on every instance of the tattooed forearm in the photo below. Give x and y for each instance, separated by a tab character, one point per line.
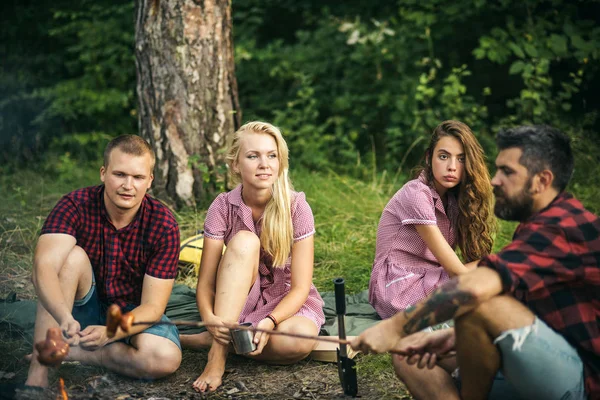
441	306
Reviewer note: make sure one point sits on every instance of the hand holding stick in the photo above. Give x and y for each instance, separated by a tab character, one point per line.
114	319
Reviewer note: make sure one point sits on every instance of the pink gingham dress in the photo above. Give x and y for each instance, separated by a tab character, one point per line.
226	216
405	271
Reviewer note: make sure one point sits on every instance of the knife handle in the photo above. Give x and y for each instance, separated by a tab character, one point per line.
340	296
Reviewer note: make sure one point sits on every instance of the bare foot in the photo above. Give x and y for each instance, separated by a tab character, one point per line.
211	377
196	341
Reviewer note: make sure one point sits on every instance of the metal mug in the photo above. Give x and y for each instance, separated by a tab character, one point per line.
243	339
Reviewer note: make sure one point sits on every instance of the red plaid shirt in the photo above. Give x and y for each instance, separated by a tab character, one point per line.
553	267
120	258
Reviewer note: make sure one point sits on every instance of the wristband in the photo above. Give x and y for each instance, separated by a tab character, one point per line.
272	318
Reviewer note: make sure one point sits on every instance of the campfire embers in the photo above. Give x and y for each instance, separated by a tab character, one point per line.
53	350
62	390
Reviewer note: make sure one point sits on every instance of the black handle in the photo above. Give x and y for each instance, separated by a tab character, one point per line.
340	296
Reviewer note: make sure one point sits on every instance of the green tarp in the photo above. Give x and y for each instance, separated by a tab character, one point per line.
19	316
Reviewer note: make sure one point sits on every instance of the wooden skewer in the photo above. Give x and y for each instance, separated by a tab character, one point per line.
198	324
330	339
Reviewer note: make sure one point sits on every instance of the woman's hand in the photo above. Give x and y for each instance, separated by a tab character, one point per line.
219	333
261	338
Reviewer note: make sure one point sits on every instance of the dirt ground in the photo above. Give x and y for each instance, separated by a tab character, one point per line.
244	379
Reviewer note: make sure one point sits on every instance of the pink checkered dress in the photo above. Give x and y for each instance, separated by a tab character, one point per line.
405	271
227	215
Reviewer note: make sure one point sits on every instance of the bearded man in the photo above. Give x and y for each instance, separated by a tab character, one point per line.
527	319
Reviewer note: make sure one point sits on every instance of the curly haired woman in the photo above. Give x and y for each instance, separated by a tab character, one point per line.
448	205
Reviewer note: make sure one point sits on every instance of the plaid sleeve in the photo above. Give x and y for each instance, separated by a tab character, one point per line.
302	218
163	262
538	257
63	218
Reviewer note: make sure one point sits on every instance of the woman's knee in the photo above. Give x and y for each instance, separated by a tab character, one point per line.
292	348
244	243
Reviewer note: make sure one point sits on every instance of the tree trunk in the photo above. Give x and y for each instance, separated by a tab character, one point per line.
187	94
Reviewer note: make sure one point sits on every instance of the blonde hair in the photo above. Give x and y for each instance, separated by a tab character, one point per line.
476	222
277	233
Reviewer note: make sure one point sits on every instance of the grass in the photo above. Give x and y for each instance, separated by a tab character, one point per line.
346	214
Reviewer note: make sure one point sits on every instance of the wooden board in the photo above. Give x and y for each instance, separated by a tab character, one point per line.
327	351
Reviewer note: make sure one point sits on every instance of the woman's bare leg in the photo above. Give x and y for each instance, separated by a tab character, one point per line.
237	273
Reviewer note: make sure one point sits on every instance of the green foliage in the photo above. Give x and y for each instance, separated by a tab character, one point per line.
82	82
357	87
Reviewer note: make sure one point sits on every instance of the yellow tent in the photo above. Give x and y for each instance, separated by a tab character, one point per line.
190	251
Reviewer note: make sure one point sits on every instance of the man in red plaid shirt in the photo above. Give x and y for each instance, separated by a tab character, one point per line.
526	321
107	244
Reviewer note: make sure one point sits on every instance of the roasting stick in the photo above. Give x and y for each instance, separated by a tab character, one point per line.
330	339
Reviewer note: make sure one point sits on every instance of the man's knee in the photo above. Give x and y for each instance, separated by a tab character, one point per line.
77	262
163	361
77	267
496	315
401	367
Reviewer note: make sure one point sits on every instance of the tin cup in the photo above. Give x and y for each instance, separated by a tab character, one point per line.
243	339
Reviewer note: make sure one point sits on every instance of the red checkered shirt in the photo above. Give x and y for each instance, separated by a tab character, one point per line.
120	258
553	267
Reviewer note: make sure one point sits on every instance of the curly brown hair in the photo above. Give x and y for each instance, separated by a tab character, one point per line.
476	221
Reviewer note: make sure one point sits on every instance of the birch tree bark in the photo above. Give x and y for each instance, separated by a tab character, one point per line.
187	93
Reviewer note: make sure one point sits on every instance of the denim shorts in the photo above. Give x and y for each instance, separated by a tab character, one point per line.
537	363
91	311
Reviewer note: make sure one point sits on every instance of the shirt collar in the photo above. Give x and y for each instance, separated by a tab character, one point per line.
104	212
437	201
560	198
244	212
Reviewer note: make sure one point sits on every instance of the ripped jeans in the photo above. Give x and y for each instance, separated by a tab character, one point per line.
537	363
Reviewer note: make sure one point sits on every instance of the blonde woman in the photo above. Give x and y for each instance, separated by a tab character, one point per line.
265	275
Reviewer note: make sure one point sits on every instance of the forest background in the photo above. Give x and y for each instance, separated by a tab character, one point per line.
356	87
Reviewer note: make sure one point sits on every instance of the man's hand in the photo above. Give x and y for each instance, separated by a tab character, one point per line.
261	338
381	338
70	330
219	333
426	348
93	337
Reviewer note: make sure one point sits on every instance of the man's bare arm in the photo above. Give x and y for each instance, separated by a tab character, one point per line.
462	294
458	296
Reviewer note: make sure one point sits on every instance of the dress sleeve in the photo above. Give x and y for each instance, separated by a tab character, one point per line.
64	218
302	218
414	205
215	224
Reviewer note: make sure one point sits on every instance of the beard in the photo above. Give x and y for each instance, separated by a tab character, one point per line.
515	208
